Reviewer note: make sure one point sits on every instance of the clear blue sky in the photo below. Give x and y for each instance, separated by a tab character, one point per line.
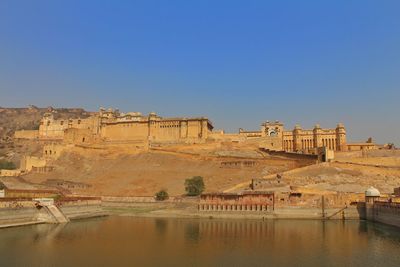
237	62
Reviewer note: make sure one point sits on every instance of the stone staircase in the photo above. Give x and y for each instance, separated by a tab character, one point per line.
53	214
56	213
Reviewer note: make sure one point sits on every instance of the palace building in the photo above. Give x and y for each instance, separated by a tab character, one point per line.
298	140
113	127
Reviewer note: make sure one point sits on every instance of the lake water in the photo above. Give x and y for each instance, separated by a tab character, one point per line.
130	241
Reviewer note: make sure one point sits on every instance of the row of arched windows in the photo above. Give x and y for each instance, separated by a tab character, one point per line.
170	125
49	152
288	145
307	143
330	143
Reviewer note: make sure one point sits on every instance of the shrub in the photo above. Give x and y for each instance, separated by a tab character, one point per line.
162	195
7	165
194	186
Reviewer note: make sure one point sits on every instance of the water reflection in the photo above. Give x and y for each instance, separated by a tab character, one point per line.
126	241
192	231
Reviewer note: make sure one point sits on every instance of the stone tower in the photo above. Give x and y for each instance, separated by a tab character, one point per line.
317	131
340	137
297	137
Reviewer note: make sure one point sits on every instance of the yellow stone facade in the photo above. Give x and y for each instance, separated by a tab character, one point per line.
112	126
298	140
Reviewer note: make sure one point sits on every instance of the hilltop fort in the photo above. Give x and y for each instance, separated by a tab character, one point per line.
111	126
130	154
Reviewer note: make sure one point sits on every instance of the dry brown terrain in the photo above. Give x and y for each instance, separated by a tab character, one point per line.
144	173
352	174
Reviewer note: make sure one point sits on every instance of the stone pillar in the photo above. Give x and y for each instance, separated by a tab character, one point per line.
297	138
204	129
317	131
152	126
340	137
183	125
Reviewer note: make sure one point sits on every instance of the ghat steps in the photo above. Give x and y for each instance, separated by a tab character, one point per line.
56	213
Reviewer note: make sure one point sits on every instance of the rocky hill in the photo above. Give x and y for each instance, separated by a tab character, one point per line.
12	119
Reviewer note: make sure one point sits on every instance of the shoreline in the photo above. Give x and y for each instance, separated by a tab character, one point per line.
164	212
186	210
157	211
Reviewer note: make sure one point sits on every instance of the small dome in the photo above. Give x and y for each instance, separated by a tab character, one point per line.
372	192
317	126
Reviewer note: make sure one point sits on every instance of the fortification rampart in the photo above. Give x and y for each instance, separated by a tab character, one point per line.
112	126
26	134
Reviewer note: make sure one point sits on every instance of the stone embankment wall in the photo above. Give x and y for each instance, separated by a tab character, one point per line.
82	209
144	199
17	212
350	213
383	212
22	212
18	216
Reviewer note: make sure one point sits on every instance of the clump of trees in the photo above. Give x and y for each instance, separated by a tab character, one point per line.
7	165
162	195
194	186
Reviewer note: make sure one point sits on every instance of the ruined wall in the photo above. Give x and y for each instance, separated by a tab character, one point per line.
29	162
26	134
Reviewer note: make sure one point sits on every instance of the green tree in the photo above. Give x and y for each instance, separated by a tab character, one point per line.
194	186
162	195
7	165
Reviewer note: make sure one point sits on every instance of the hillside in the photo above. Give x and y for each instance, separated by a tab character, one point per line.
143	174
12	119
